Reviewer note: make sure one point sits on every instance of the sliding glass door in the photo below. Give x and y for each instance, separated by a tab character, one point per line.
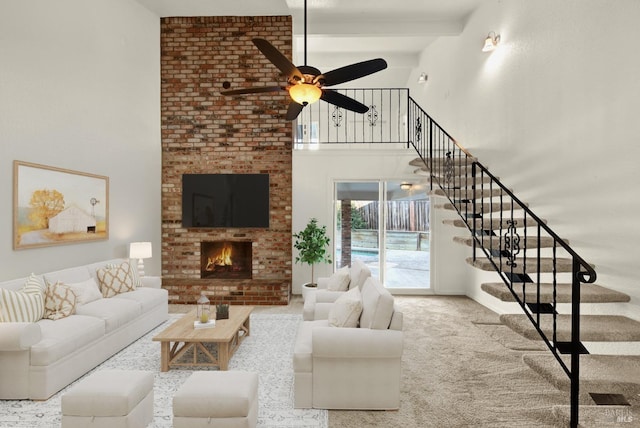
384	224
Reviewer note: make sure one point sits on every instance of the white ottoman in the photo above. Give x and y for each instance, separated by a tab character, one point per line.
224	399
110	399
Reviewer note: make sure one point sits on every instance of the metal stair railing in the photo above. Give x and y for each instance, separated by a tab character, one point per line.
519	245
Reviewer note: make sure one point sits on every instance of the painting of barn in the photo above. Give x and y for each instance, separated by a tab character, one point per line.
72	219
56	206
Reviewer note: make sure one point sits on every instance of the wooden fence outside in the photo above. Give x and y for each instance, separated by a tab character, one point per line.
412	216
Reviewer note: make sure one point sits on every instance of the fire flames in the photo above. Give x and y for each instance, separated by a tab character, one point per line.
223	258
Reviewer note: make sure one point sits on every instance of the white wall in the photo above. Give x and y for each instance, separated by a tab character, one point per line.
552	112
80	89
315	171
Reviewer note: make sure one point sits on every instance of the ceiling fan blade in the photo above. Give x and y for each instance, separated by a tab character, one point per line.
294	110
253	90
277	58
353	71
337	99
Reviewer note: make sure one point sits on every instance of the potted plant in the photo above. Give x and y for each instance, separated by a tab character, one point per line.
312	243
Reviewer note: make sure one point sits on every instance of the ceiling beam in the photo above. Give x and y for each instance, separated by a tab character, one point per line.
376	28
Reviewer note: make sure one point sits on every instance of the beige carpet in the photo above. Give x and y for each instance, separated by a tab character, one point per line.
458	371
456	375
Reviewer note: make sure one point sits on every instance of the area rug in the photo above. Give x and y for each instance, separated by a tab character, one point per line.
267	351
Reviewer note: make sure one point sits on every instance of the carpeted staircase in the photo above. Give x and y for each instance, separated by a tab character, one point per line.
609	384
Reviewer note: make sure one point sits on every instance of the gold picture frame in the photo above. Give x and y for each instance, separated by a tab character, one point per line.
56	206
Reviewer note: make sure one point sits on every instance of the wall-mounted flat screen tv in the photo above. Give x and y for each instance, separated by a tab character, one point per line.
225	200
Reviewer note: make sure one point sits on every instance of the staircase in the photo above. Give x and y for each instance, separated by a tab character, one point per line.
538	271
541	273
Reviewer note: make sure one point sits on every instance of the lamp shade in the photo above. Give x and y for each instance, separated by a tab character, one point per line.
305	93
140	250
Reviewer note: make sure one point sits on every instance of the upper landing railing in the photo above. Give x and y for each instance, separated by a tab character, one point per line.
530	258
385	122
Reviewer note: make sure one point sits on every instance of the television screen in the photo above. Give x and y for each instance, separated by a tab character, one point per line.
225	200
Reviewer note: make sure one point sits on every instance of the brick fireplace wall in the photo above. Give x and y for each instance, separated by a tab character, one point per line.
205	132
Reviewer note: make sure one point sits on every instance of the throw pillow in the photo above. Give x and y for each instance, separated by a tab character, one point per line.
26	305
85	291
346	310
115	279
340	279
59	301
135	274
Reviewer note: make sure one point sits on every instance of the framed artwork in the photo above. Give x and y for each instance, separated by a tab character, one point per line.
55	206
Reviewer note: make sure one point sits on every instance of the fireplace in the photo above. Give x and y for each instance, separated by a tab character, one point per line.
225	260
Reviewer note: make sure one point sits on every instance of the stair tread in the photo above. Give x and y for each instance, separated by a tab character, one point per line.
458	180
493	224
598	373
596	416
468	194
546	264
593	328
484	207
497	242
419	162
589	293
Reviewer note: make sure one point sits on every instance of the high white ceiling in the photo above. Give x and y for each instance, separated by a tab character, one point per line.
341	32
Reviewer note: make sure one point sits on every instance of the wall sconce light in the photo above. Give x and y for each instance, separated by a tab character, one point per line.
423	78
491	42
405	186
140	250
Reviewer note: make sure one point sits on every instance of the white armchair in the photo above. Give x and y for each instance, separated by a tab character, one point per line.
320	299
351	367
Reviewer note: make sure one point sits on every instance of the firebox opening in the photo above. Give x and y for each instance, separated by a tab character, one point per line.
225	260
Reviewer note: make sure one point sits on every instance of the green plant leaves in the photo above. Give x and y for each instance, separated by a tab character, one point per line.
312	243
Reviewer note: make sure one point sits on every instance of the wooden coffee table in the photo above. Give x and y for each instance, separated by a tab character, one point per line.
180	337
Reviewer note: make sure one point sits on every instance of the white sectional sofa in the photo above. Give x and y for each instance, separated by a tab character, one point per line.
37	359
351	367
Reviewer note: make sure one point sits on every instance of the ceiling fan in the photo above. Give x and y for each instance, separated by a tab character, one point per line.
307	84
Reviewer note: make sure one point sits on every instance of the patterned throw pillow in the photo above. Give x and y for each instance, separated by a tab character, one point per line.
115	279
59	301
26	305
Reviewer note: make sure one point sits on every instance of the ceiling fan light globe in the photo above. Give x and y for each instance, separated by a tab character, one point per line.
305	93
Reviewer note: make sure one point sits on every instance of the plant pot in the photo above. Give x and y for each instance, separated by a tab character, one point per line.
306	287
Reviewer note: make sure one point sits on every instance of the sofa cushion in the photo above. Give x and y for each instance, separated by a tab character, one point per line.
25	305
345	312
377	305
359	273
64	337
149	298
69	275
14	284
59	301
116	278
86	291
114	312
339	280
